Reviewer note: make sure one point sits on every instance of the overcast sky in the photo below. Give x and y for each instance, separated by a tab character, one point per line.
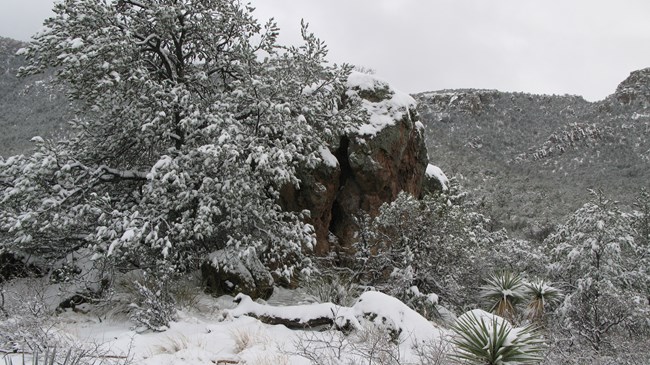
583	47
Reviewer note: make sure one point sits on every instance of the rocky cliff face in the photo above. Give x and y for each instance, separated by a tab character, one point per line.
367	168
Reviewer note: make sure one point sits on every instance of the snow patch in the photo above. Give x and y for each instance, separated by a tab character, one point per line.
76	43
436	173
381	113
128	235
366	81
37	139
328	158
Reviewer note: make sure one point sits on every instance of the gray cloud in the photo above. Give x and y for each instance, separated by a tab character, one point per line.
583	47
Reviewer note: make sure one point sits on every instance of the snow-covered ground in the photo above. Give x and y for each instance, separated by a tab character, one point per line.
218	331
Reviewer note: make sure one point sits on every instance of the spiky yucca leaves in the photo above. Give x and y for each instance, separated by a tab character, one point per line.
502	292
541	295
484	339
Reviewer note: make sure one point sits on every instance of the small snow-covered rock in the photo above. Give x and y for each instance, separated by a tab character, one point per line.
230	272
435	179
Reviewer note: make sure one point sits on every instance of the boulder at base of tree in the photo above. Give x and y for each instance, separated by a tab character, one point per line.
229	272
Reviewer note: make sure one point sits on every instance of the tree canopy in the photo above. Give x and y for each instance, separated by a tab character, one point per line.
190	117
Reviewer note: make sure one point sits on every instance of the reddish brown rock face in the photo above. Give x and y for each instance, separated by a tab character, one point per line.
378	169
372	169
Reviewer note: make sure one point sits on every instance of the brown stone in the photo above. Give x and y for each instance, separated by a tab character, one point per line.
372	170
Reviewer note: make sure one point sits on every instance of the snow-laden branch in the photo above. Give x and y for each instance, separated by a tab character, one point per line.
109	174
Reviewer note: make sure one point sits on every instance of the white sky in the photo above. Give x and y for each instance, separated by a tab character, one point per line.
583	47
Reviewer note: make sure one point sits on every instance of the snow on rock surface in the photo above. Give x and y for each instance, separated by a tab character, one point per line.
365	168
395	315
386	107
436	173
302	314
328	158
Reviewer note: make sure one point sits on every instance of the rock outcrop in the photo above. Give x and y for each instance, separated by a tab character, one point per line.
369	167
230	272
635	90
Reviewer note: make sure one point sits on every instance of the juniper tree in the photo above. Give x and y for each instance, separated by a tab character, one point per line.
189	119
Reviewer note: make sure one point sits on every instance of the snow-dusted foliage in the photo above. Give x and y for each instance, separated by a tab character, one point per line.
190	119
154	308
437	244
542	296
605	272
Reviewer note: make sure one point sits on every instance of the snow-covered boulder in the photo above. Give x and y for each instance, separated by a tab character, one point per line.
389	313
230	272
435	179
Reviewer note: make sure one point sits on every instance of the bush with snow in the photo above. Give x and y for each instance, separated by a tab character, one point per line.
502	292
603	267
437	244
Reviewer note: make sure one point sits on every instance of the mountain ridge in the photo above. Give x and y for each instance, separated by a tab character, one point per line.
533	158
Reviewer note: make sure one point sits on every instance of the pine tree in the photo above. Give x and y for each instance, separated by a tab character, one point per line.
189	120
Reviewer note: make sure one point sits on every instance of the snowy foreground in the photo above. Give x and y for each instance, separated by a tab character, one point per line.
218	331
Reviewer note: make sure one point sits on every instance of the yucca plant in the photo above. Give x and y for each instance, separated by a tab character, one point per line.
541	295
502	292
485	339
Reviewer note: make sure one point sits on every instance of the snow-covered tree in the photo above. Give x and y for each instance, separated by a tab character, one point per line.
189	120
438	244
604	270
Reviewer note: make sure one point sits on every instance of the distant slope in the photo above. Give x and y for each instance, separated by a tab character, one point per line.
534	157
29	106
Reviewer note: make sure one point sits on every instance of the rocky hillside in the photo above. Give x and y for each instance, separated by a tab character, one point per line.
532	158
30	106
